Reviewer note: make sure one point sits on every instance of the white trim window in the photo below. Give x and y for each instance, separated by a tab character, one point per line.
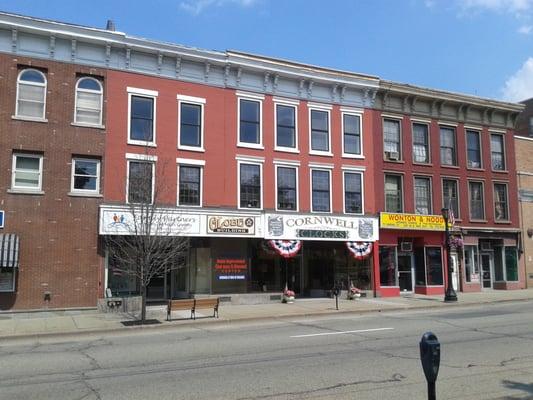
393	193
250	120
319	131
448	146
477	202
450	196
392	139
473	149
250	178
501	202
190	179
7	279
421	143
88	102
141	179
142	116
27	172
31	94
422	188
497	152
352	138
286	188
286	127
191	123
321	190
353	192
85	176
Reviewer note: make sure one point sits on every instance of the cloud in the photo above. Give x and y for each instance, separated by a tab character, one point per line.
525	29
514	6
196	7
520	85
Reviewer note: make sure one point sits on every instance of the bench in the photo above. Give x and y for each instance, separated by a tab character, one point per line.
193	305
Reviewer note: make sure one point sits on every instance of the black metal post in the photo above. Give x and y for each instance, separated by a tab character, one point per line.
337	300
431	391
450	294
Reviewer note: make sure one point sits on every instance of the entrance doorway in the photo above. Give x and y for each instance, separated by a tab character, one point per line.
405	272
290	273
455	270
486	270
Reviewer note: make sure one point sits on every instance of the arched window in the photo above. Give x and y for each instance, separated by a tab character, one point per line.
31	94
88	107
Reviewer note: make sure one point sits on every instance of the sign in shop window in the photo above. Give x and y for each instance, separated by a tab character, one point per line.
231	269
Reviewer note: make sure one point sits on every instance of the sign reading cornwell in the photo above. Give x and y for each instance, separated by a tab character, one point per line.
219	224
411	221
165	222
319	227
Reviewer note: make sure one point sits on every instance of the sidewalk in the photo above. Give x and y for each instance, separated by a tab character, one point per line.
45	323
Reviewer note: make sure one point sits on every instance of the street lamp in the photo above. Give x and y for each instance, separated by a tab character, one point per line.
450	294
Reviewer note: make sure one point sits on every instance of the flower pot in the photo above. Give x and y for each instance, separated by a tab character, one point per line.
287	299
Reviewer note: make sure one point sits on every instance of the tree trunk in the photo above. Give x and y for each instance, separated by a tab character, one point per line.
143	303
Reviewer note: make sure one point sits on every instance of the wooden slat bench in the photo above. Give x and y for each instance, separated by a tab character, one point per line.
193	305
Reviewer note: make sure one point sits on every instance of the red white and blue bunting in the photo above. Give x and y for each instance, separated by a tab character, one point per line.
286	248
360	250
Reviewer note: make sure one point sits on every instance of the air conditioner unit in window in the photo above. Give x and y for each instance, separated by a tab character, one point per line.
392	155
406	247
485	246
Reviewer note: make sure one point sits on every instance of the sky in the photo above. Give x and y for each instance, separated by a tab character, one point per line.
477	47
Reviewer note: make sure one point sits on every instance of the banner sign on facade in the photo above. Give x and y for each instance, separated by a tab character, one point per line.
321	227
230	225
411	221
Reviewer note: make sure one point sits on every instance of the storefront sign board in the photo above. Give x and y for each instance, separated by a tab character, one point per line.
411	221
321	227
241	225
228	269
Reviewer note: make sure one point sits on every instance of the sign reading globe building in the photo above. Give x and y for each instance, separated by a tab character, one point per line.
321	227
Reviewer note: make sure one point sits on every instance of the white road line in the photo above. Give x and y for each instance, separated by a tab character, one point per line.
342	333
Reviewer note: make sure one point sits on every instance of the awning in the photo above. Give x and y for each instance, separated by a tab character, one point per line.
9	250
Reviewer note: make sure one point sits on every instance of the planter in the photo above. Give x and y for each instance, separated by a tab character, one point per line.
353	296
287	299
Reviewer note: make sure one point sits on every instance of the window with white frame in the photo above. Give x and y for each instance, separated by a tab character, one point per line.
191	123
450	197
471	263
351	126
420	143
391	139
27	172
448	153
393	193
501	204
31	94
249	185
320	190
422	195
473	149
353	192
320	130
142	116
89	100
140	181
477	207
286	126
497	154
85	176
287	191
250	122
190	185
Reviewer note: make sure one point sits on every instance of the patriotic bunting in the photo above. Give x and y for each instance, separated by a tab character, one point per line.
286	248
360	250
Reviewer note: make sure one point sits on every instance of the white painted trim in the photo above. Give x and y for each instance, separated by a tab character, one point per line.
480	144
320	106
311	150
250	95
360	173
311	189
154	121
190	161
392	116
506	183
100	93
402	189
252	159
142	92
457	189
430	192
37	84
420	120
141	157
284	101
354	114
200	148
286	162
529	139
85	191
351	110
524	173
353	168
191	99
128	161
504	151
241	161
496	130
295	167
484	198
473	128
14	170
427	124
283	148
450	124
321	165
245	144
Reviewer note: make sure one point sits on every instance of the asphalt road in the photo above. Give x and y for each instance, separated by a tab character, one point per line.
487	353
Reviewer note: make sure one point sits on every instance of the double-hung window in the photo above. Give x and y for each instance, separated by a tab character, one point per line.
351	137
250	131
250	193
501	204
320	190
286	131
497	154
190	185
477	206
89	100
27	172
473	149
422	196
140	181
31	94
393	193
142	116
320	137
353	192
450	198
420	143
448	153
85	176
392	146
191	123
287	191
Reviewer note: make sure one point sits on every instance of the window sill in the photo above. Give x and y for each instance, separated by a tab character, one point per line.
450	166
483	221
189	205
29	119
81	194
287	150
321	153
251	146
141	143
394	161
286	211
26	191
192	148
421	164
475	169
251	208
502	222
82	125
321	212
353	156
500	171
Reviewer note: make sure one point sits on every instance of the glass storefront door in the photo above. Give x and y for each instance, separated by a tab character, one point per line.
405	272
486	270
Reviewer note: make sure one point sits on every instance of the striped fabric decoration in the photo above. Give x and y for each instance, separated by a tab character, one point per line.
360	250
9	250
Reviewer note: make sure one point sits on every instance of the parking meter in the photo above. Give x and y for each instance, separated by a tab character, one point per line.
430	358
336	292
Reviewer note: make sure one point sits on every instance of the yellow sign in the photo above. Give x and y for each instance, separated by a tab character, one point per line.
411	221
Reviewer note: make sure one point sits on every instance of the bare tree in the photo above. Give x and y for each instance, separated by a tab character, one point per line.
149	239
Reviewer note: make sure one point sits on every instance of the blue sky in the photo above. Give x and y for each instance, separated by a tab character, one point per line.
479	47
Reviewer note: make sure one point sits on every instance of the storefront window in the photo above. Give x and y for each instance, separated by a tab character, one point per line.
7	279
200	269
511	263
434	266
498	264
265	268
471	264
230	265
388	266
